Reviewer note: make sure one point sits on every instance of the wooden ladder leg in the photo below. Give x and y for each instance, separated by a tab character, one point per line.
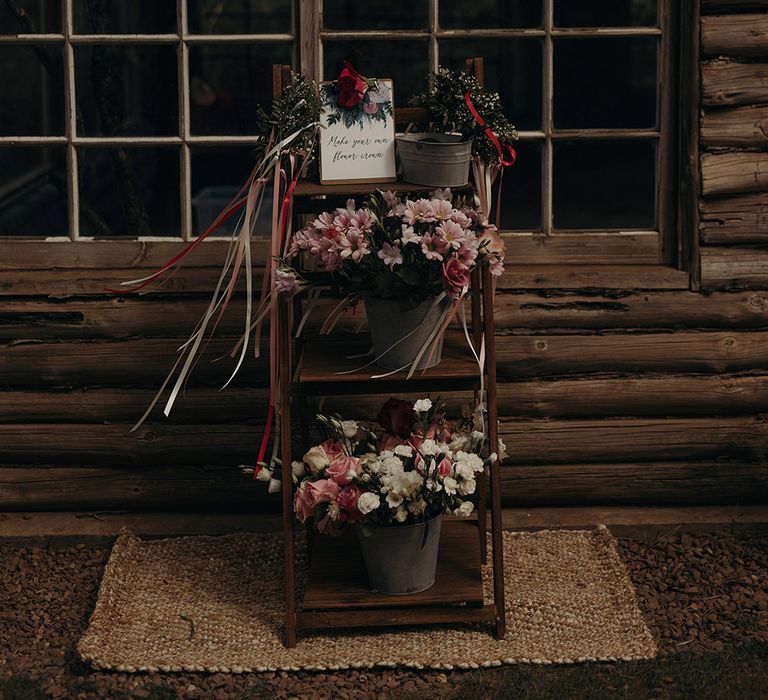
285	367
482	482
482	505
497	538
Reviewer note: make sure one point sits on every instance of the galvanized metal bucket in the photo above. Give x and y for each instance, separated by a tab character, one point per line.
397	336
434	160
401	560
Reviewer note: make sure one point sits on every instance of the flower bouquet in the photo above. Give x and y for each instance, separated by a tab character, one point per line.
355	100
394	485
410	260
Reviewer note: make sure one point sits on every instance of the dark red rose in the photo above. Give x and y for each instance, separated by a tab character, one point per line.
397	417
351	86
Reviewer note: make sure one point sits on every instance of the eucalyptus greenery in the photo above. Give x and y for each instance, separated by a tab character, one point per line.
296	108
445	100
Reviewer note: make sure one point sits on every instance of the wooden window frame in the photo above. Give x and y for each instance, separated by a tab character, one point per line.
649	259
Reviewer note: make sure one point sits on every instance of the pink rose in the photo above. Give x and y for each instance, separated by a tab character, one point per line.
347	501
322	491
333	449
341	467
455	277
370	108
445	467
303	503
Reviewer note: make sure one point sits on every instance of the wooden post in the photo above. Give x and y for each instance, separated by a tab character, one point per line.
493	437
284	311
281	76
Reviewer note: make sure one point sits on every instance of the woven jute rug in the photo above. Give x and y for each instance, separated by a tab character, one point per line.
215	604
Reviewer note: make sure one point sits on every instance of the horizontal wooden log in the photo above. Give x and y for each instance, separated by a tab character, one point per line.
592	395
679	310
554	355
57	283
163	488
743	127
730	83
146	362
635	439
190	489
734	268
531	441
734	172
674	483
734	220
122	318
116	317
114	445
136	362
735	35
649	395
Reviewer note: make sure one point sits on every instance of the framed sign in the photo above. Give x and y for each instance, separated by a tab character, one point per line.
357	141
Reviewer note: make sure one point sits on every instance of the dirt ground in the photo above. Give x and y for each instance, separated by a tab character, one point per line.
704	597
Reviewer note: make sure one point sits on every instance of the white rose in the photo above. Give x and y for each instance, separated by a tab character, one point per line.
316	459
368	502
422	405
264	475
404	451
450	485
392	465
401	515
298	469
394	499
467	487
349	428
465	509
429	447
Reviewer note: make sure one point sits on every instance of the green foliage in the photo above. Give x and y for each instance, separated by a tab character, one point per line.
296	108
355	116
445	100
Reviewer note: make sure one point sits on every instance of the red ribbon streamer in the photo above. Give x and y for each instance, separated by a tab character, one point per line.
264	439
231	208
491	136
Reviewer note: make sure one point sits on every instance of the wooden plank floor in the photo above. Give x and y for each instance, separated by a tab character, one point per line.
64	529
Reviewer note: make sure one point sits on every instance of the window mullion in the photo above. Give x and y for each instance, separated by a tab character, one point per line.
185	165
434	26
547	92
70	127
310	44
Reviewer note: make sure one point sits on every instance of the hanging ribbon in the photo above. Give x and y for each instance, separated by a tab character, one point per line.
505	161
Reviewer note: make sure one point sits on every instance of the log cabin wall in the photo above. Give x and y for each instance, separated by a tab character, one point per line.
617	386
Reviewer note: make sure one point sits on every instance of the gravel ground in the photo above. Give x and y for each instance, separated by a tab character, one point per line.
703	597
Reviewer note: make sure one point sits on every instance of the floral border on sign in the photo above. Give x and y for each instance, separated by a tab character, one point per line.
376	106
